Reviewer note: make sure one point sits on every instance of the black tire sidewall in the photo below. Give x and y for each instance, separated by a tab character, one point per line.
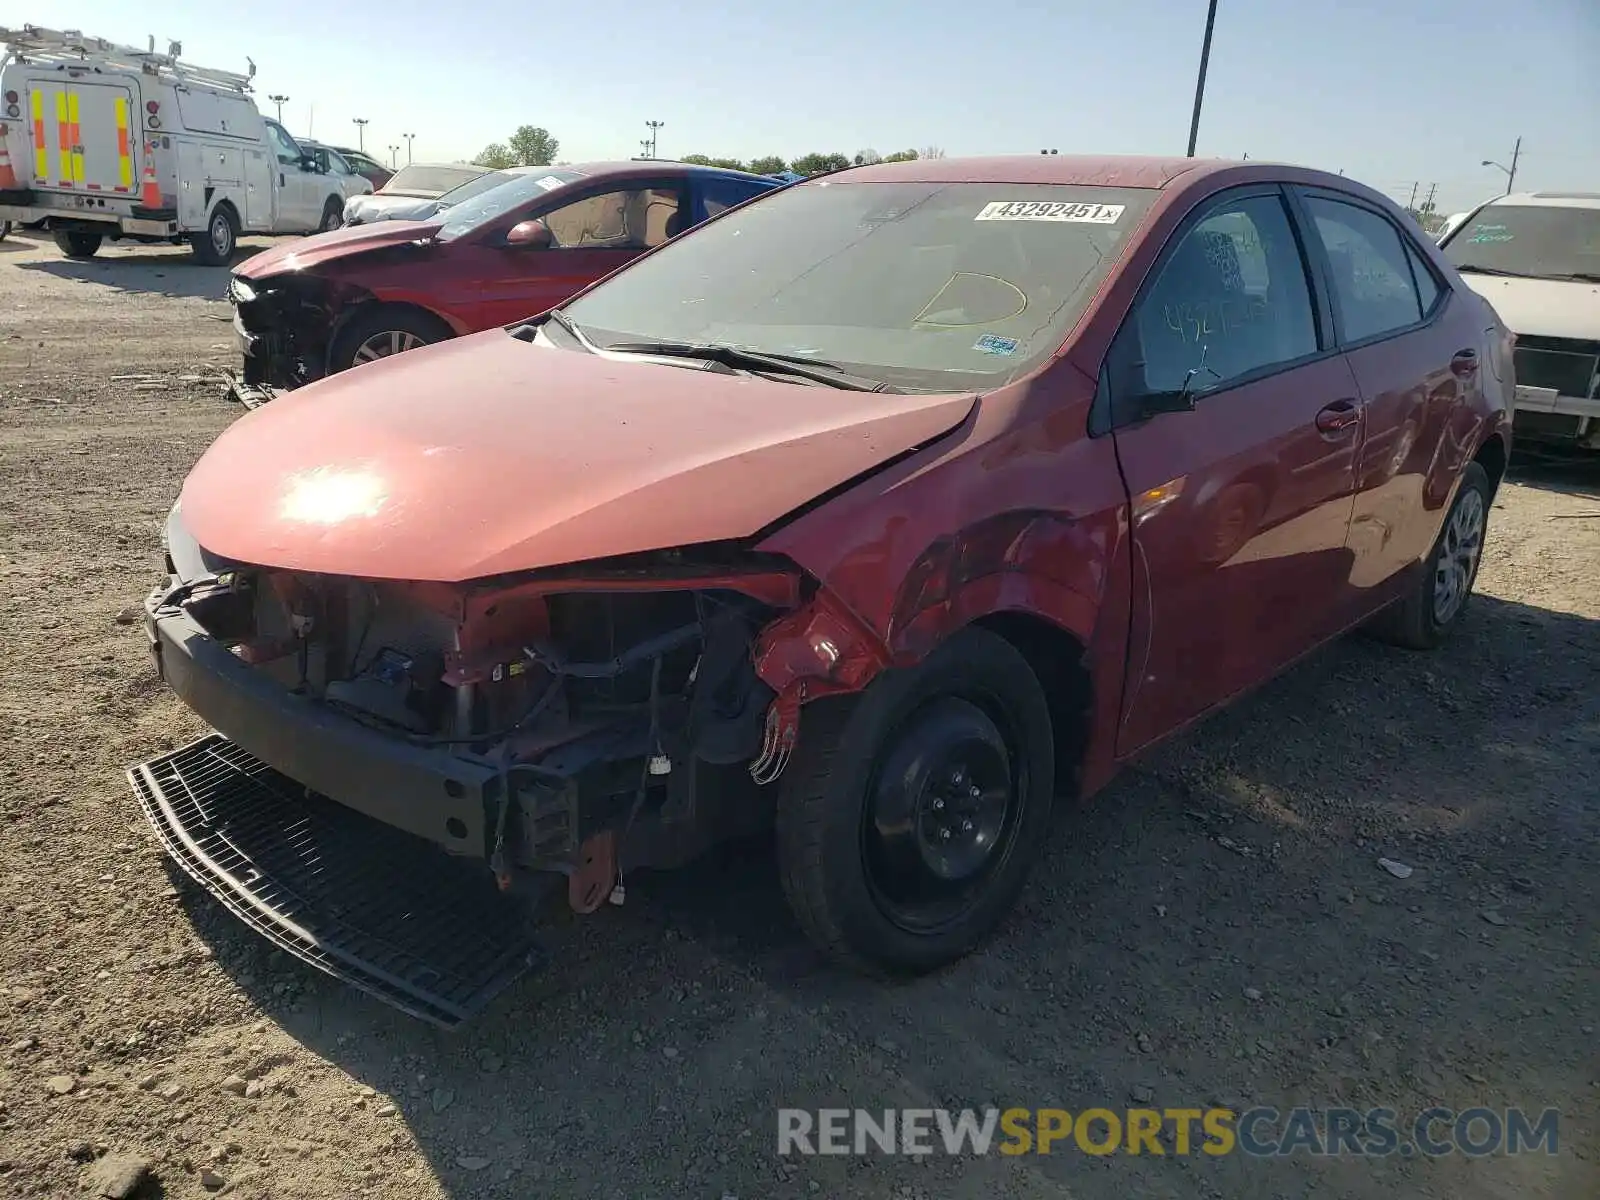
332	206
972	661
226	218
75	244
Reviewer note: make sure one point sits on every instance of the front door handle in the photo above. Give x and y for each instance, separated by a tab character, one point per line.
1465	364
1338	418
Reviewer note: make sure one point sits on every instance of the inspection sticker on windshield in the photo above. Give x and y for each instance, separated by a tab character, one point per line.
993	343
1051	210
550	183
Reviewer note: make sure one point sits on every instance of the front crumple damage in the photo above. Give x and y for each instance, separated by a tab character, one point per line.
563	721
284	325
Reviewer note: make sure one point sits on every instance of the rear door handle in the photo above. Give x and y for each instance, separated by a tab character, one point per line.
1338	418
1464	364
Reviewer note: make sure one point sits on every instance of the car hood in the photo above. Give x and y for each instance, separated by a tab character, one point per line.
1541	307
301	253
488	454
394	208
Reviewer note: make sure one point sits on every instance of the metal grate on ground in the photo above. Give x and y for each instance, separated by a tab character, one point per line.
374	906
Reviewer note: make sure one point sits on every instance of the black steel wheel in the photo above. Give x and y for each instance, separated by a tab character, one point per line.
910	816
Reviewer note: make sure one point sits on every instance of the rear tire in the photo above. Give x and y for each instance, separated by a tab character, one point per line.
5	230
383	332
75	243
332	215
1423	619
215	247
910	816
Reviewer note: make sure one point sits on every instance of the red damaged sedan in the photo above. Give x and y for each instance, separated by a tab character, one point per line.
501	247
879	513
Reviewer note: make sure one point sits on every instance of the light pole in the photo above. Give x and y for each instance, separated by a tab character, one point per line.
1200	83
653	126
1511	171
280	101
394	156
408	137
361	133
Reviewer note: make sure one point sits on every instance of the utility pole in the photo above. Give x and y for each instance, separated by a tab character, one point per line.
1412	203
654	125
1200	83
408	137
1511	171
280	101
1427	206
361	133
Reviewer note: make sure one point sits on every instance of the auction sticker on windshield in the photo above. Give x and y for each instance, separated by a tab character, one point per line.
1050	210
550	183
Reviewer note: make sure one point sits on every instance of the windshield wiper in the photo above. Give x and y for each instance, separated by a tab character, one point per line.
758	360
1579	276
1494	271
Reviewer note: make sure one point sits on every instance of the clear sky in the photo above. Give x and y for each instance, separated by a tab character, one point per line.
1394	92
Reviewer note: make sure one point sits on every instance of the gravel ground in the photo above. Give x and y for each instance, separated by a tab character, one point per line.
1214	929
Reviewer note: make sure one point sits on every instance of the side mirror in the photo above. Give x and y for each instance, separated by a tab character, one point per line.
530	235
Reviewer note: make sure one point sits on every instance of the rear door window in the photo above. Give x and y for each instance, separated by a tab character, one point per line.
1371	277
717	195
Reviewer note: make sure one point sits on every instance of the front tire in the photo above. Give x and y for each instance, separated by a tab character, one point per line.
215	247
77	244
332	215
384	332
910	816
1423	619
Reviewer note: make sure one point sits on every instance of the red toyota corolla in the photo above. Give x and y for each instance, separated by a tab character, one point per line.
879	512
501	247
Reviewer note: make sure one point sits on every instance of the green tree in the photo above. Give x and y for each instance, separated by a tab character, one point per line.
496	156
702	160
901	156
770	165
533	146
865	158
819	164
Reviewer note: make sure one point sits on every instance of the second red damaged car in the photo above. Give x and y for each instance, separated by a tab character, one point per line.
879	513
510	245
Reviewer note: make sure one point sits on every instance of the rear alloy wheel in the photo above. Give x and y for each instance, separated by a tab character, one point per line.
215	247
1421	620
911	815
77	244
383	333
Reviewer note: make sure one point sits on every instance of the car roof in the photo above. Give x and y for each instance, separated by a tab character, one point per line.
637	168
1100	170
1550	200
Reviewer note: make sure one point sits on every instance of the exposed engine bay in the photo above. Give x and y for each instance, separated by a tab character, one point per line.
620	711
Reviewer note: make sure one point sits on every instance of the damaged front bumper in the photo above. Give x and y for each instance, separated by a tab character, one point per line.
281	329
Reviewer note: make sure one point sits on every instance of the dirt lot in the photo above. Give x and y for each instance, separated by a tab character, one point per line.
1214	929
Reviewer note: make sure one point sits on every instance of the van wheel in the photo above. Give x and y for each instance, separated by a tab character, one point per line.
332	215
215	247
384	332
5	230
1423	619
910	816
77	244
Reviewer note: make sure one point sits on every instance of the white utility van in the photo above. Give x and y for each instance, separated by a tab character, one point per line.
105	141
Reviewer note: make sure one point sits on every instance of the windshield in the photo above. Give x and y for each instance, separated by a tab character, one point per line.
523	187
1542	240
924	286
431	180
475	187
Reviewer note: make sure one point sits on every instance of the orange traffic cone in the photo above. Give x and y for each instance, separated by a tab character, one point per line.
150	193
8	177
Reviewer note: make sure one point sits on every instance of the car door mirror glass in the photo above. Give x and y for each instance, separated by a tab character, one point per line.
530	235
